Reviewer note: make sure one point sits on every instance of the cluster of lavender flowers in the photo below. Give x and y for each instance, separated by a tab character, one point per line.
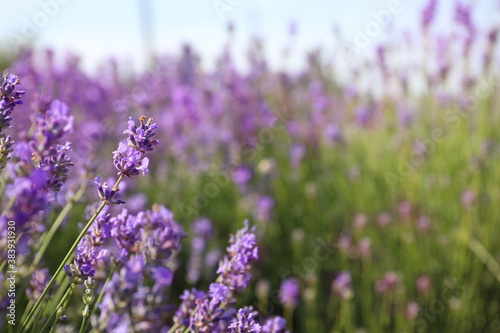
136	252
9	98
211	312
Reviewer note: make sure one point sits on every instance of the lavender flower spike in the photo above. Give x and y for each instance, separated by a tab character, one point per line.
6	147
129	158
9	98
245	322
106	194
242	252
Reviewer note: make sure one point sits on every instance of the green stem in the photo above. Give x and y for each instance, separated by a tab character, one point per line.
9	204
84	323
57	224
62	303
173	328
68	255
288	314
485	257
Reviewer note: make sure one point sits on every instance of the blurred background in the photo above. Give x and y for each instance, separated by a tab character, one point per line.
130	30
359	136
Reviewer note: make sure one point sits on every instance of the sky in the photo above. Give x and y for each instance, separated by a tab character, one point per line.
97	30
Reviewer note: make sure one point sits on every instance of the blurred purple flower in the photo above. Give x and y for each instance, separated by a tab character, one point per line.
275	325
342	286
388	283
424	284
264	208
290	292
412	310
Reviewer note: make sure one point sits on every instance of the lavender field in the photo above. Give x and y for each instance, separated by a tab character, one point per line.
359	193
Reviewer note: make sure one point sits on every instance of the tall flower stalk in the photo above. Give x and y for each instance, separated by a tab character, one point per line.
129	160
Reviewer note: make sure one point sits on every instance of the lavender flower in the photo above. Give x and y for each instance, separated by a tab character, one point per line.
275	325
6	147
263	208
106	194
245	322
424	284
39	280
234	277
30	201
242	252
342	286
162	235
412	310
51	126
126	232
388	283
207	316
428	13
290	292
467	199
128	159
56	165
190	299
9	98
85	262
100	231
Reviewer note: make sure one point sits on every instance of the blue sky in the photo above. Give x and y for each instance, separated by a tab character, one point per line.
98	29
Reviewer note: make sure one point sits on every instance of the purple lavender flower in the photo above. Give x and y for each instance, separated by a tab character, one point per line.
56	164
9	98
190	299
100	231
128	159
241	175
342	286
364	115
290	292
365	247
423	223
263	208
468	197
39	280
163	277
424	284
207	316
30	200
218	292
234	277
141	137
245	322
51	126
106	194
242	252
126	232
412	310
388	283
275	325
162	235
429	13
85	262
383	219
